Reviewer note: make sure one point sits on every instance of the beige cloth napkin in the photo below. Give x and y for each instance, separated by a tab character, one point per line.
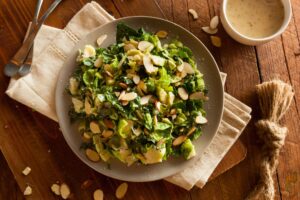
52	46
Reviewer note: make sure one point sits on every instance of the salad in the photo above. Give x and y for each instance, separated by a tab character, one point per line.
137	100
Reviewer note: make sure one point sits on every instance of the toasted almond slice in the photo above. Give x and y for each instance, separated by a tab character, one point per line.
78	105
123	85
55	188
86	184
179	140
148	65
197	96
121	190
128	47
98	194
26	171
101	39
136	79
107	133
193	13
64	191
200	119
183	93
157	60
137	131
129	96
216	41
145	45
87	106
92	155
214	22
98	62
180	67
171	98
89	51
108	74
109	124
173	111
94	127
145	99
117	94
191	131
73	85
121	95
208	30
86	137
124	103
188	68
158	105
162	34
174	116
27	191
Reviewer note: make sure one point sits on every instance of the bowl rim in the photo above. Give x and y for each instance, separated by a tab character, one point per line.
218	122
284	25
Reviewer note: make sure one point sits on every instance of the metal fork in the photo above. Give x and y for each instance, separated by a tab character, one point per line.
12	68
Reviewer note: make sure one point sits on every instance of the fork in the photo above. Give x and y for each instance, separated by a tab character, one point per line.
12	68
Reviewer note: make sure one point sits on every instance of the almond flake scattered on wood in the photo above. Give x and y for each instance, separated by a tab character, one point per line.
214	22
193	13
65	191
216	41
208	30
55	188
27	191
26	171
121	190
98	194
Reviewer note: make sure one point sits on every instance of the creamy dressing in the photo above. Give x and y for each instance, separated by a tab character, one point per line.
255	18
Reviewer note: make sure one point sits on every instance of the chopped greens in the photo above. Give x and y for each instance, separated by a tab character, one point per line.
138	100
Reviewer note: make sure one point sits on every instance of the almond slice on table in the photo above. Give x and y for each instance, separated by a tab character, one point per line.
145	99
94	127
121	190
208	30
162	34
101	39
216	41
214	22
92	155
179	140
98	194
27	191
183	93
26	171
55	188
64	191
193	13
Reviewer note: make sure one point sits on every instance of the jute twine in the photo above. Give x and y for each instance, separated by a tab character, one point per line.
275	98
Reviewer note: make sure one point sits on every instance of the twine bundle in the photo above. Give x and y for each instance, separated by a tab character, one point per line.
275	98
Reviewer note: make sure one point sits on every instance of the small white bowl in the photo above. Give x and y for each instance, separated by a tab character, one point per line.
255	41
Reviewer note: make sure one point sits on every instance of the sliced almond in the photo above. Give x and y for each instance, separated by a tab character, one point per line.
200	119
89	51
179	140
92	155
108	74
98	195
180	67
208	30
27	191
121	95
173	111
86	184
128	47
191	131
101	39
86	137
145	99
121	190
136	79
55	188
137	131
183	93
214	22
216	41
148	65
123	85
188	68
73	85
109	124
157	60
171	98
162	34
197	96
129	96
26	171
125	103
94	126
64	191
107	133
158	105
87	106
145	46
98	62
117	94
193	13
78	105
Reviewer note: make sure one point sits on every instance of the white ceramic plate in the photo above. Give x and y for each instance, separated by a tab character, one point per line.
214	107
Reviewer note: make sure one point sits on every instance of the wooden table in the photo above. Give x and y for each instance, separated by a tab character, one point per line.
245	66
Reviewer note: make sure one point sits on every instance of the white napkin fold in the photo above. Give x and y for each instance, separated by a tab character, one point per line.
51	48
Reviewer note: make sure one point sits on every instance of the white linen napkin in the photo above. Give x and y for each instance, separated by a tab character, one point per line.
51	48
